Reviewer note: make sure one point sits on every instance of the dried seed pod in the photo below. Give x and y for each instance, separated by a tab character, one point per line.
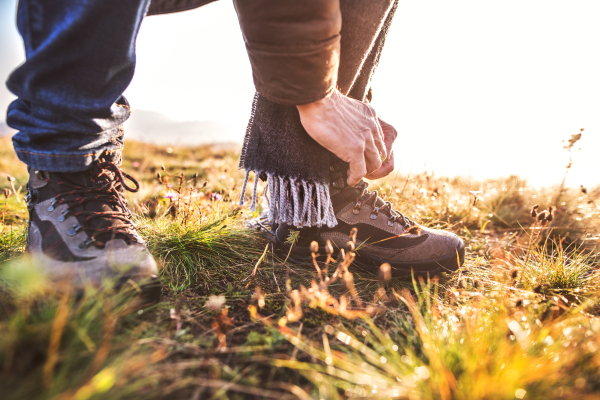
195	176
534	210
550	216
583	190
10	178
353	234
385	272
163	167
543	216
329	247
349	246
314	247
514	273
6	193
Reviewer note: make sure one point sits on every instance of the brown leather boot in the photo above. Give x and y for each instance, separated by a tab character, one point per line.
384	234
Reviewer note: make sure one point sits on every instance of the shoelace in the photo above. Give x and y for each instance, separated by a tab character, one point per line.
106	191
370	198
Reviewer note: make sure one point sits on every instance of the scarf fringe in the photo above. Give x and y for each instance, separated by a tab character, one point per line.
295	202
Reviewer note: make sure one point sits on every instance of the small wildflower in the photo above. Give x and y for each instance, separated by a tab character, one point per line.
170	195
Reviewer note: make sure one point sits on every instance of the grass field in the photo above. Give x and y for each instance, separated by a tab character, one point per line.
519	320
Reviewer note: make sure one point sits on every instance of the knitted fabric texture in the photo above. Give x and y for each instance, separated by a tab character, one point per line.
278	149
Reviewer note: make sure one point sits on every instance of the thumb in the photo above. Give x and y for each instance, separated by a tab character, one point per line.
358	168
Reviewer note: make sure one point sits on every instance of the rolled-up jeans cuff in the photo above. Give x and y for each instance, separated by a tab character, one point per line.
56	162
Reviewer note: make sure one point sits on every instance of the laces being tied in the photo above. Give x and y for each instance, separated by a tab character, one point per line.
370	198
106	184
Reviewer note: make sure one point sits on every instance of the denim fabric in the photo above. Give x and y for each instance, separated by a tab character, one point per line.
80	57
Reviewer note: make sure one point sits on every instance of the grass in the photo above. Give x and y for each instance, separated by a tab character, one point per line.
519	320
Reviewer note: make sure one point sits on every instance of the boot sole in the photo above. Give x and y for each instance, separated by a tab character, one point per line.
447	263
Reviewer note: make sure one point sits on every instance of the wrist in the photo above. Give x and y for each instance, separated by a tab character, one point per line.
311	107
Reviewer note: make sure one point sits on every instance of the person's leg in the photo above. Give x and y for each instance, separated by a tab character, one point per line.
364	28
308	185
278	147
80	57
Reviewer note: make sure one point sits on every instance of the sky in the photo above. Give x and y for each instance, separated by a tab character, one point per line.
486	88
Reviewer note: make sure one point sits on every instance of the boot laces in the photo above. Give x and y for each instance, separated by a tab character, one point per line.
107	179
370	198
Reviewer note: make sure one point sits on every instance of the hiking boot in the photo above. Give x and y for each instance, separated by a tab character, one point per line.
384	234
80	229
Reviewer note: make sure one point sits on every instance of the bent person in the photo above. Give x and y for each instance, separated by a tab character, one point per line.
312	134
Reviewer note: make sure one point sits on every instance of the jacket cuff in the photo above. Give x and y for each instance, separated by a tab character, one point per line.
295	76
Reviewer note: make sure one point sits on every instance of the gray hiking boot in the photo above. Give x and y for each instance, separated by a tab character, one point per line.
81	230
384	234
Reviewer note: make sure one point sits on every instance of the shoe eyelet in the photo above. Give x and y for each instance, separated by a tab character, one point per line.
390	222
356	209
73	231
375	213
63	215
84	245
51	207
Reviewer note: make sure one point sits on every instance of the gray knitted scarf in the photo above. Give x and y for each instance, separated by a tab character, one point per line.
278	149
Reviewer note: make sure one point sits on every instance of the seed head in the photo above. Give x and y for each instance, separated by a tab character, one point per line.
314	247
329	247
349	246
6	193
583	190
514	273
543	216
10	178
385	272
163	167
550	216
534	210
195	176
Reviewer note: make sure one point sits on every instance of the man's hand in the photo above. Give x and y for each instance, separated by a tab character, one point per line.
349	129
389	136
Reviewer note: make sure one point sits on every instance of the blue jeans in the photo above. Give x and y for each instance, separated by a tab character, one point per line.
80	58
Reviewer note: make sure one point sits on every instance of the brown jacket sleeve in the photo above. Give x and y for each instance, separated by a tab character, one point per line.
294	47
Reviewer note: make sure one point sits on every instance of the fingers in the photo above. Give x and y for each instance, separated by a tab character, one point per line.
377	133
372	156
358	168
386	169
